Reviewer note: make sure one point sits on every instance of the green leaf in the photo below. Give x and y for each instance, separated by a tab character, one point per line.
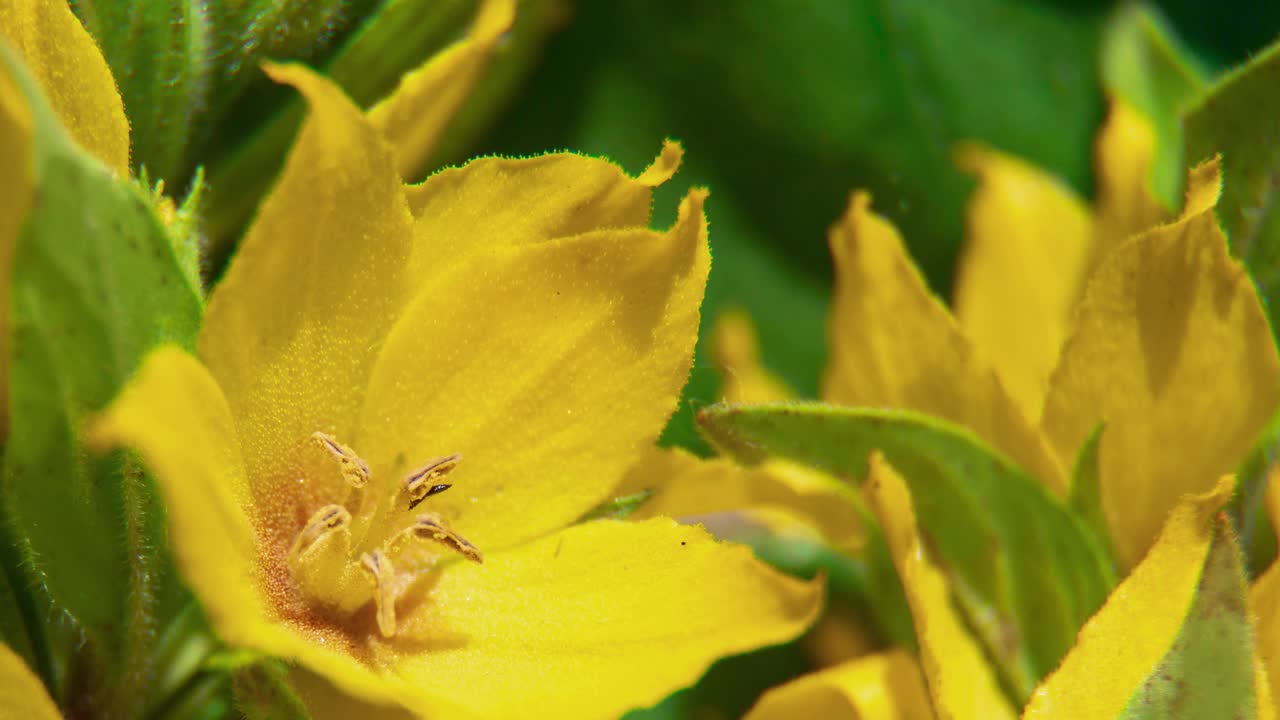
161	53
1208	671
1143	62
1022	566
1237	119
95	284
1085	498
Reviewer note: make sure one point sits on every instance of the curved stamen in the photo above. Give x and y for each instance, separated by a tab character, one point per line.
354	470
429	526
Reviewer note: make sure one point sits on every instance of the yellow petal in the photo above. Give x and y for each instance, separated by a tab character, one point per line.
1171	350
1123	158
887	686
294	327
686	486
1121	645
413	117
893	345
840	635
175	416
1027	250
736	354
961	682
74	76
15	197
594	620
550	367
22	695
1264	604
493	202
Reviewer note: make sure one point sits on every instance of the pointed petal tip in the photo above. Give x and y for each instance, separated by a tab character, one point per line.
1204	186
663	167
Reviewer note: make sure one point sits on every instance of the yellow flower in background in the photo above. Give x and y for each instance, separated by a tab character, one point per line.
511	326
1159	339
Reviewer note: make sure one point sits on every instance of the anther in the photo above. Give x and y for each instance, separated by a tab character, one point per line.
354	469
429	526
420	484
324	521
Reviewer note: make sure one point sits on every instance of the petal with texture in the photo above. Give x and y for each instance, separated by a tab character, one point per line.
292	330
893	345
175	416
1124	643
73	74
550	367
594	620
496	202
1028	244
1172	351
413	117
961	681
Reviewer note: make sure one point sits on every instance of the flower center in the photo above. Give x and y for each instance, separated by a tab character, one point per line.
332	564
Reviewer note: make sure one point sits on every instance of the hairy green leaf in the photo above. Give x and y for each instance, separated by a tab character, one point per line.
1022	566
1208	671
95	284
1237	118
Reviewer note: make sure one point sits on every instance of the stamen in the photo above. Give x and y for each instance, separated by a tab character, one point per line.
429	526
354	469
384	595
324	521
320	561
420	484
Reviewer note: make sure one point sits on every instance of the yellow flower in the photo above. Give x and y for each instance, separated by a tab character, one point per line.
1060	326
511	325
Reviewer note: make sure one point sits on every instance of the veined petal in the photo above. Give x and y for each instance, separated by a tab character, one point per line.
593	620
686	486
1123	643
1028	247
22	695
736	354
1123	157
176	417
16	188
74	76
1171	350
893	345
962	683
550	367
497	202
293	329
886	686
414	116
